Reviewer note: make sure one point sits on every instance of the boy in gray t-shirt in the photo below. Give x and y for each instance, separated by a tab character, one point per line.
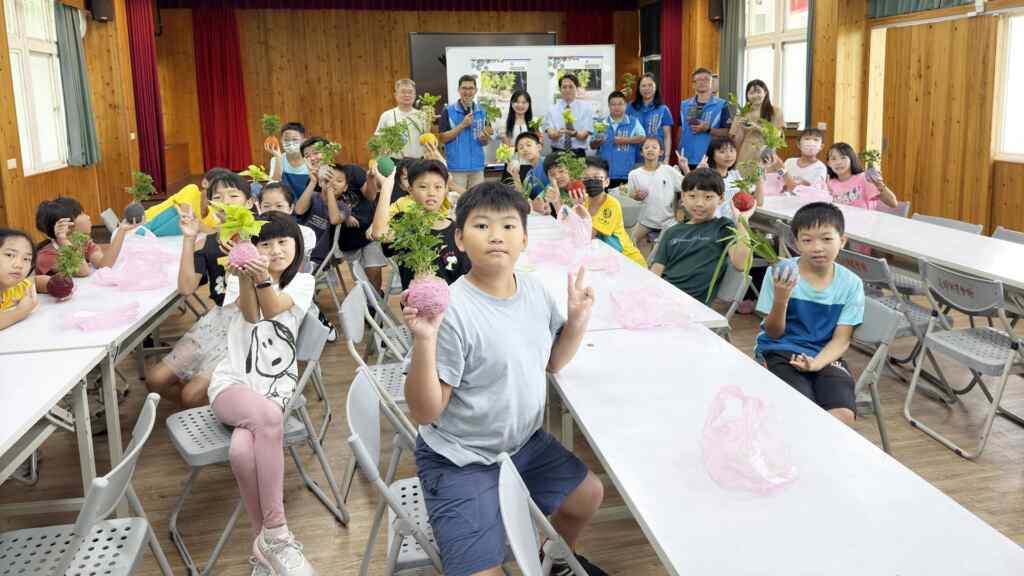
477	385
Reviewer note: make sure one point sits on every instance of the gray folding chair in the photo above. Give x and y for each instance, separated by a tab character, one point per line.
787	241
521	517
1009	235
392	326
411	544
984	351
732	287
1015	305
909	283
877	330
327	274
93	545
949	223
202	441
902	209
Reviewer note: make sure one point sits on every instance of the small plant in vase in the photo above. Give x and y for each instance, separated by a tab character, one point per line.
534	124
70	257
738	111
750	174
140	190
255	173
575	167
871	159
417	249
238	225
774	140
600	129
271	125
428	110
504	153
385	144
491	111
693	116
328	150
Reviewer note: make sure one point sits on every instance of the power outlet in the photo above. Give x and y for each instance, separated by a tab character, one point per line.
12	163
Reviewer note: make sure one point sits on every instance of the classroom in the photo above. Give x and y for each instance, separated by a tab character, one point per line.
546	287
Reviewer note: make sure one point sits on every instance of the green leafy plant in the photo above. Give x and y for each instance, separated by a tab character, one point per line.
256	173
328	150
569	119
427	103
734	105
237	222
535	124
387	143
600	126
628	83
70	258
271	124
774	137
504	153
142	186
575	167
491	110
871	158
759	246
415	246
750	174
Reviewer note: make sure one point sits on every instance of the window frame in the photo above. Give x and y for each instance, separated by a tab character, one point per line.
21	49
1002	72
776	39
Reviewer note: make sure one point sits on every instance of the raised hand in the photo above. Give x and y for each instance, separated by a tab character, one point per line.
421	328
580	300
785	279
703	162
61	230
257	269
187	220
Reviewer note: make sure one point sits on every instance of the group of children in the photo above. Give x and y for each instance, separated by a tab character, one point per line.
461	372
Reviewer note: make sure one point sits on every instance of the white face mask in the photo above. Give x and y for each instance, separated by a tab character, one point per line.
810	148
290	147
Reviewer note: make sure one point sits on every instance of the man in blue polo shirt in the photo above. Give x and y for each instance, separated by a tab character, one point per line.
464	133
701	117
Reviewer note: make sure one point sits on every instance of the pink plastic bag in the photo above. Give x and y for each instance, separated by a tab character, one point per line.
141	265
740	445
92	320
647	307
570	251
774	185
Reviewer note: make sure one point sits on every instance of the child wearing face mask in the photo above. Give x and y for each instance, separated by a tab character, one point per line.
288	159
807	170
606	212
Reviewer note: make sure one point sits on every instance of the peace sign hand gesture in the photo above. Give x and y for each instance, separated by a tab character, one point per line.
580	302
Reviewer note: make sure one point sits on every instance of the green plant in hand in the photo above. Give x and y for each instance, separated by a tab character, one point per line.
271	124
575	167
774	140
491	111
417	249
504	153
871	159
238	225
141	189
70	258
256	173
328	150
385	144
759	247
427	103
734	105
534	124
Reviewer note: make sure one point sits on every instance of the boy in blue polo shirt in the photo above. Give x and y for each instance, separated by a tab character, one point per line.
812	305
464	133
701	117
476	385
618	143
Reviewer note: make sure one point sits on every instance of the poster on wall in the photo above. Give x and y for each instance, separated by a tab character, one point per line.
500	78
589	70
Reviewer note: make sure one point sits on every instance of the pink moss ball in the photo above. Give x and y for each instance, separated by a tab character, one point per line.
242	253
428	295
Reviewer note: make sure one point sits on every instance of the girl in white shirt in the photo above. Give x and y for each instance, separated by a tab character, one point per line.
655	185
257	378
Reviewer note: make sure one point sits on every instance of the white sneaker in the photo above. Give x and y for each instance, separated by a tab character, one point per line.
284	555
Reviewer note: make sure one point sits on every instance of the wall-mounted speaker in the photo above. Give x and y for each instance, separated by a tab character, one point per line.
716	11
102	10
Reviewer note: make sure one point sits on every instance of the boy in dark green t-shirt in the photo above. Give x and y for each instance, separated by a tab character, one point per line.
689	251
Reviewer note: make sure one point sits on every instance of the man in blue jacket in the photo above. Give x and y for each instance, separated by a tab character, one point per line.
464	132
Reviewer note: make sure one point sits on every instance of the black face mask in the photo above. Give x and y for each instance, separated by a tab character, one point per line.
594	186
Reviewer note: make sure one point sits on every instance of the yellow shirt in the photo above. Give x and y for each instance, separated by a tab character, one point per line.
608	222
10	297
191	195
403	203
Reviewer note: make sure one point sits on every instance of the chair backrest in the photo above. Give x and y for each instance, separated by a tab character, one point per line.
363	415
1008	235
732	287
879	325
902	209
514	502
968	294
110	220
106	492
312	337
786	237
329	260
353	321
949	223
870	269
631	214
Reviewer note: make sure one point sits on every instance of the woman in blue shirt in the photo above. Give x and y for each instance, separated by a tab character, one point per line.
654	116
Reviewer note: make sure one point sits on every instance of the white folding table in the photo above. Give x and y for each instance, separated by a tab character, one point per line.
30	386
852	510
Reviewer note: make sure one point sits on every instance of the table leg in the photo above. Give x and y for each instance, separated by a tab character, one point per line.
112	410
83	430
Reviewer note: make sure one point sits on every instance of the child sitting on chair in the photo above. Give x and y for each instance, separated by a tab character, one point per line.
488	354
812	305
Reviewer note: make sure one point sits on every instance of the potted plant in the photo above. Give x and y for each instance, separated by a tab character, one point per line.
328	150
774	140
693	116
491	111
385	144
575	167
271	125
428	109
600	129
628	83
255	173
140	190
70	257
759	246
238	225
416	247
569	119
871	158
750	174
534	124
504	153
737	110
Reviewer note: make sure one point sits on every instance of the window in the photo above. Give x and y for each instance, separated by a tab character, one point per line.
776	52
38	96
1010	118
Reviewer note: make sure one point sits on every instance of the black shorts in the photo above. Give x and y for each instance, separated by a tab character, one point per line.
830	388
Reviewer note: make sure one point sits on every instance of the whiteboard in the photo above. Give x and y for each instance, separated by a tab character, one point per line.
500	70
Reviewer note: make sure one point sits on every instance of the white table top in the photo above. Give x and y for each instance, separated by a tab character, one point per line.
853	510
33	383
971	253
44	329
629	275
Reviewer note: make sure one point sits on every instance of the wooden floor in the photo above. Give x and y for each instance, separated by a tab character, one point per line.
991	487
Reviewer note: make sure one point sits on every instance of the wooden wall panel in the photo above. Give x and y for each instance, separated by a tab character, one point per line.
939	88
176	66
700	45
1008	195
627	44
98	186
840	66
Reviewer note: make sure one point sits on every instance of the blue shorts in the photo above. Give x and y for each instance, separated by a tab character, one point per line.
462	502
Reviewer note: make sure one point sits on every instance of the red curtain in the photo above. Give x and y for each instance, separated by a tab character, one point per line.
589	27
149	117
222	111
671	59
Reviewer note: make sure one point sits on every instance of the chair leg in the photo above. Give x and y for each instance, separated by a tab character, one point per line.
350	475
154	544
378	517
218	549
878	414
396	544
337	508
176	538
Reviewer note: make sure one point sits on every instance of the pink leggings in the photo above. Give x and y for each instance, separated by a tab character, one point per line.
257	452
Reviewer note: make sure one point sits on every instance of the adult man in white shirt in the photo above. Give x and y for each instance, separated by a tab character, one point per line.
405	97
563	139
